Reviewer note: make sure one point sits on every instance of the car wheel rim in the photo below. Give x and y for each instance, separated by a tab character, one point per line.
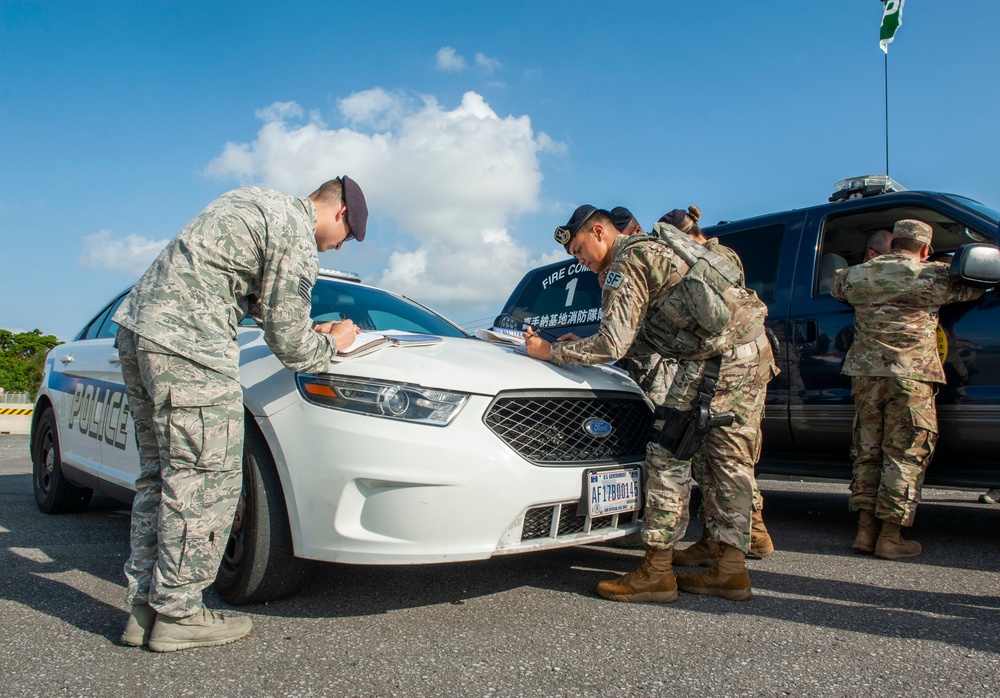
48	461
235	546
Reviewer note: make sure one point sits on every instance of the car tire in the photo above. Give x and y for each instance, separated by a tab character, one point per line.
54	494
259	562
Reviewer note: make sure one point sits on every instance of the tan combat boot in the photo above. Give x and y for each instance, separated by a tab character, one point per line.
704	553
206	628
892	546
729	579
141	618
653	581
761	545
864	542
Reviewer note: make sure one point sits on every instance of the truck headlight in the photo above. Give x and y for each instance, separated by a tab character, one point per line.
381	399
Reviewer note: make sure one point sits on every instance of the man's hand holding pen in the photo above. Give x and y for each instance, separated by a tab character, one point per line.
537	347
343	332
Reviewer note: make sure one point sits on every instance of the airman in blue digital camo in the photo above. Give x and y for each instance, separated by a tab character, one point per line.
895	370
665	294
251	252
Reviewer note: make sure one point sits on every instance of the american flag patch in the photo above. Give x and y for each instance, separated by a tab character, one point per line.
305	289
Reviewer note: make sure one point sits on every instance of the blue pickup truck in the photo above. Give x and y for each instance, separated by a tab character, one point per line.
789	259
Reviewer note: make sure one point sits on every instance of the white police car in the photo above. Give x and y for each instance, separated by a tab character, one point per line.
446	449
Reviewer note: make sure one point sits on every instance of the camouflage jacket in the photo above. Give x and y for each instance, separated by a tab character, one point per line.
252	251
654	374
717	247
638	286
896	299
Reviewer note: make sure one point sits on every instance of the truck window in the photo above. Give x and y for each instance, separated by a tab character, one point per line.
758	249
844	238
560	296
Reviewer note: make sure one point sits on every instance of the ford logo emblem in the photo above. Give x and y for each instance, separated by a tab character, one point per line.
597	427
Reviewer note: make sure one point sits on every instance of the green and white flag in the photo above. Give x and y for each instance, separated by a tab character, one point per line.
892	19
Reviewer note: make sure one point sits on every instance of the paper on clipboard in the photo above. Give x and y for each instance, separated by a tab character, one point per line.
513	340
367	342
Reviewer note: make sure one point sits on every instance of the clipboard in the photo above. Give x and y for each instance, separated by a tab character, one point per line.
368	342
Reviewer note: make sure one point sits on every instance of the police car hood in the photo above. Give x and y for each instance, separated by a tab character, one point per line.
466	365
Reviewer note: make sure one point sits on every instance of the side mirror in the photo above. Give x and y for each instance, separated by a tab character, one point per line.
976	264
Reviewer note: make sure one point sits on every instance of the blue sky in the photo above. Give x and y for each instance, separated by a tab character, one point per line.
474	128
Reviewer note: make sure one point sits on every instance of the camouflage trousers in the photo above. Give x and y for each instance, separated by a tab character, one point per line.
189	432
729	454
655	375
698	473
895	431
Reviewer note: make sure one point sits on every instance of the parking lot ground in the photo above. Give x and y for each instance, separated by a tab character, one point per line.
824	621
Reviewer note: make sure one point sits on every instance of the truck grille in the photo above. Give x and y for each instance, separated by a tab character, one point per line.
548	428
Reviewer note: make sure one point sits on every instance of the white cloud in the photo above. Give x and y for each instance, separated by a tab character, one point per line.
487	63
279	111
451	180
449	61
375	108
129	256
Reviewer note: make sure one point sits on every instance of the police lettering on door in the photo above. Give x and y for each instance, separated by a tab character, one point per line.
100	411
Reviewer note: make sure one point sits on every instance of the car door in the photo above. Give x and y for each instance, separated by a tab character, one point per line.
78	386
119	456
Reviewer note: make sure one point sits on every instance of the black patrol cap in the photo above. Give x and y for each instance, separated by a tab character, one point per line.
622	218
357	208
565	233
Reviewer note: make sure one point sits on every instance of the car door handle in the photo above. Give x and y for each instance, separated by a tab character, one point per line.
114	359
68	359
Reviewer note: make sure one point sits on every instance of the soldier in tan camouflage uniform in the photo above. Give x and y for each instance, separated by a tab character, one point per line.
894	368
251	252
683	302
704	552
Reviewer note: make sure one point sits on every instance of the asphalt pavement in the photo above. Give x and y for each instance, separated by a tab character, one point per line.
824	621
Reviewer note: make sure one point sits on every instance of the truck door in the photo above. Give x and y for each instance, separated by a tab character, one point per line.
821	406
767	249
821	409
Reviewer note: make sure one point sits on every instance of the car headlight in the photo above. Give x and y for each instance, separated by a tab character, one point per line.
381	399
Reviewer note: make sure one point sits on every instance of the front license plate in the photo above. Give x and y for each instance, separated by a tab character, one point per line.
612	491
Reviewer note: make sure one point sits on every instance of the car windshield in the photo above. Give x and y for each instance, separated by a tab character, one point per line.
372	309
976	206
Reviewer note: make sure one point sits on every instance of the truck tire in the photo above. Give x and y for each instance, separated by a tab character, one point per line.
259	563
54	494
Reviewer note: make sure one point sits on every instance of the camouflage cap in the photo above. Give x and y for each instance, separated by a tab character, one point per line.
914	230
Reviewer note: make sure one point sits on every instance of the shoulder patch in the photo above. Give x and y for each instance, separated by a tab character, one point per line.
614	279
305	289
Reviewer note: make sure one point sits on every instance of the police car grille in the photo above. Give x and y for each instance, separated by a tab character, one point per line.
538	521
549	430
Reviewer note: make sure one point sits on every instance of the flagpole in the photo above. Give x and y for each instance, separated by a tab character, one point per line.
885	81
